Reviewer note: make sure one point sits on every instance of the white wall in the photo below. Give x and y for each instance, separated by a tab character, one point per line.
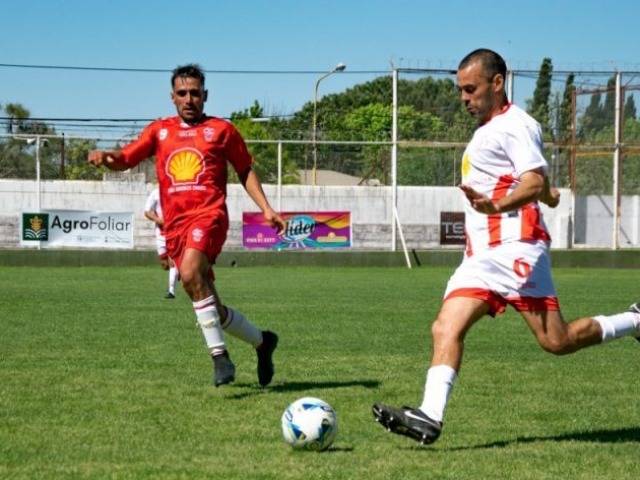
371	210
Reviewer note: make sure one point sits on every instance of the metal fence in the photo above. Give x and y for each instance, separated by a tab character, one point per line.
593	148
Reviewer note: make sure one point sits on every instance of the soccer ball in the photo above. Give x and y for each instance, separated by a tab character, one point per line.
309	424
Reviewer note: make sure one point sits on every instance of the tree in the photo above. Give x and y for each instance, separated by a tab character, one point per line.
591	119
17	115
538	107
609	107
566	115
77	167
629	108
18	157
250	123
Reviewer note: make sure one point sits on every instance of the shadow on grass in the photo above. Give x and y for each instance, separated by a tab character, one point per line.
621	435
287	387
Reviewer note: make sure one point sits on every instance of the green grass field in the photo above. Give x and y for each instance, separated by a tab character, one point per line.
100	377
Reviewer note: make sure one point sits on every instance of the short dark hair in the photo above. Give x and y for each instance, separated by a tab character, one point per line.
190	70
492	63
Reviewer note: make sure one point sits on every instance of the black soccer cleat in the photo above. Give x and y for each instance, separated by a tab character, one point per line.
265	357
635	308
224	371
170	296
410	422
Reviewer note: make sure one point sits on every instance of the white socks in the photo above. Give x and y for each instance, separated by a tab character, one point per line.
173	277
238	326
620	325
209	321
437	390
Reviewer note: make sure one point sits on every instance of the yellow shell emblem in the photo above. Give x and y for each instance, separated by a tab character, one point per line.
466	165
185	165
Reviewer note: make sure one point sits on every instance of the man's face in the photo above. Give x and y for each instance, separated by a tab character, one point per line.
188	96
482	96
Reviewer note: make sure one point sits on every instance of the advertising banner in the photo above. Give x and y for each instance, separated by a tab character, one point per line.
452	228
77	228
304	230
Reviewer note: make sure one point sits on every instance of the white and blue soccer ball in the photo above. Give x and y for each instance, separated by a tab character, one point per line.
309	424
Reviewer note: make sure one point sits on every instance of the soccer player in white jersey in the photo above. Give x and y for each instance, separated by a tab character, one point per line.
153	211
506	261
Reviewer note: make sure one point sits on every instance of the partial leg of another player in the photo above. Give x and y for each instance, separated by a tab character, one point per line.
174	276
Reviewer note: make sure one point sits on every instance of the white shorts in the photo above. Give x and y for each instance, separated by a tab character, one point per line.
517	274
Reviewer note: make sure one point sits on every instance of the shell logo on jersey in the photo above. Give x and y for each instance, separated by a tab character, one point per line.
466	165
185	165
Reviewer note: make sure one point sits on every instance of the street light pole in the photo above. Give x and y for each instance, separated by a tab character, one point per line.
314	128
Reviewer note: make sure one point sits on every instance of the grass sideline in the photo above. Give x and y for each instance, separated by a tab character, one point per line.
102	378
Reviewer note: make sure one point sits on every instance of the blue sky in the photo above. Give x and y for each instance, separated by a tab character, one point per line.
282	35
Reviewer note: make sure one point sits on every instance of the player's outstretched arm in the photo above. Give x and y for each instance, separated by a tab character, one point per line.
112	159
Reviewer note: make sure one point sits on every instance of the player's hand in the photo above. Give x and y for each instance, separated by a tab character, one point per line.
480	203
100	158
551	197
276	221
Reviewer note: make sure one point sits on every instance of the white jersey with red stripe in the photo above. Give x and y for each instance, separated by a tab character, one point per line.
501	150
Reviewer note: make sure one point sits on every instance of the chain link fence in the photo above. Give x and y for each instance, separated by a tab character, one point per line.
591	132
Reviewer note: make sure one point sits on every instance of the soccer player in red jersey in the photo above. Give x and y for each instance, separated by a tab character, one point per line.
192	151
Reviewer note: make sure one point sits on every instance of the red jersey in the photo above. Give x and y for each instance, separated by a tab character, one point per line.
191	163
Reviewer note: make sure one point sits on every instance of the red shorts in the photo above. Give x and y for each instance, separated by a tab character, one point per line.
206	237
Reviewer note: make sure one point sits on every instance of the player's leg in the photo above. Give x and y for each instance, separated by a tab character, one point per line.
161	248
265	342
537	302
173	279
424	424
561	338
196	279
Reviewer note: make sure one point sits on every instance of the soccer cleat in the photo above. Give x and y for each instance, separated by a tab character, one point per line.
265	357
169	296
223	369
635	308
410	422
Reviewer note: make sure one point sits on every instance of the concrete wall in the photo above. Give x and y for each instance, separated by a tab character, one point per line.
371	209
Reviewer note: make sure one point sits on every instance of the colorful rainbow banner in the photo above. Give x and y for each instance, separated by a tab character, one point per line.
304	230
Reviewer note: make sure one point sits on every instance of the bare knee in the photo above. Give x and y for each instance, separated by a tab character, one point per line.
189	280
195	285
438	329
443	331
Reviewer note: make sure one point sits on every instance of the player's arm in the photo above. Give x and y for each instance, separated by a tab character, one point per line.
252	185
151	215
112	159
550	196
130	155
530	188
